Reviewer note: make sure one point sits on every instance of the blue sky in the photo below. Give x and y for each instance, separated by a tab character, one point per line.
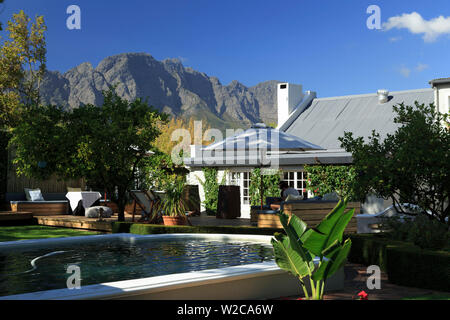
323	44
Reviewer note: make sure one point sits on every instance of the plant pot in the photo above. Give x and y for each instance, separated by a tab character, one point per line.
174	221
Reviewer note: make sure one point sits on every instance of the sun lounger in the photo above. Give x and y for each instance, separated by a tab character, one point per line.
146	200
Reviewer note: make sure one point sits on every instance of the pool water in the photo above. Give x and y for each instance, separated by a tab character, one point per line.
118	260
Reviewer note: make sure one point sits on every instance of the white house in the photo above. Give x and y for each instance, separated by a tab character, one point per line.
322	121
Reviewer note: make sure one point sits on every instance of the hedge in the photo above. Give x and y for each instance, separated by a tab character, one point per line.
404	263
370	249
143	229
415	267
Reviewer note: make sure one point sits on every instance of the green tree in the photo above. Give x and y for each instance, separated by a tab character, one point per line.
22	66
158	171
412	165
105	145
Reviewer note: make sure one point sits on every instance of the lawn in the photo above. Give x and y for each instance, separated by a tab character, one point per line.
14	233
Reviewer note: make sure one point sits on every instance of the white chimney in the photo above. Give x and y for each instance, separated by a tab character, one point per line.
289	97
383	96
441	94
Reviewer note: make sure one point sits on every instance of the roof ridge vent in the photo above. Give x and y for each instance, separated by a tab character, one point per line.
383	96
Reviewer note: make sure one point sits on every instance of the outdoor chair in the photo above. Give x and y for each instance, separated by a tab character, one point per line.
147	201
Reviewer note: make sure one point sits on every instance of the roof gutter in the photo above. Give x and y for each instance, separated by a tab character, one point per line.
306	102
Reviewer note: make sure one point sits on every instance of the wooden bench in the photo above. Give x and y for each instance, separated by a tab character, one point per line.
41	208
312	213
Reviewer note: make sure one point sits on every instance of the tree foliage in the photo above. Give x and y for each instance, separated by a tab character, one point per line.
158	171
165	141
22	66
327	179
105	144
412	165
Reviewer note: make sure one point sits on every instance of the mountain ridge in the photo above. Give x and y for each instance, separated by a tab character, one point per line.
169	86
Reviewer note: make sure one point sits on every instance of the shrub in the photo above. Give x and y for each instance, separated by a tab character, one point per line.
414	267
422	231
404	263
143	229
369	250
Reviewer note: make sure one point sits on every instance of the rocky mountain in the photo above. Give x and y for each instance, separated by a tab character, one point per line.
168	86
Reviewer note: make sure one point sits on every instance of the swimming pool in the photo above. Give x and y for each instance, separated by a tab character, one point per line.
107	260
126	266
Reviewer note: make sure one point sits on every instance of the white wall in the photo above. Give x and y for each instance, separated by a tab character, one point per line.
442	97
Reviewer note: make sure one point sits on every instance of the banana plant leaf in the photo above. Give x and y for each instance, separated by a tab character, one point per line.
287	258
336	256
295	228
330	230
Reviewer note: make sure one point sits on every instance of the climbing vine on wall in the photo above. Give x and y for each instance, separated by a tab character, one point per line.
328	179
271	179
211	189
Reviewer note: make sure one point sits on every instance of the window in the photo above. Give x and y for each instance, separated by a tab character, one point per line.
245	188
296	180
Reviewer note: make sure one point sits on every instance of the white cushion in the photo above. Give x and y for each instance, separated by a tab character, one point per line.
34	195
94	212
330	197
292	197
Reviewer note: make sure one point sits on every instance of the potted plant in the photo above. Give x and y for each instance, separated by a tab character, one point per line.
313	254
173	205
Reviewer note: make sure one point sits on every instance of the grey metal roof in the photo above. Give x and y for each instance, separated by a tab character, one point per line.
439	81
326	119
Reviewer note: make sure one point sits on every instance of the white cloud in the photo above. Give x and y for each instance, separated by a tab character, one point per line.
404	71
421	66
431	29
395	39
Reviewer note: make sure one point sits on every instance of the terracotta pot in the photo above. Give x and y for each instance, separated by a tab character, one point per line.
174	221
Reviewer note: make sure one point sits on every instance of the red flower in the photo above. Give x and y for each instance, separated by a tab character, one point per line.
363	295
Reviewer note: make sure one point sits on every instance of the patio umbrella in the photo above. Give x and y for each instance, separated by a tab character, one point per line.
258	141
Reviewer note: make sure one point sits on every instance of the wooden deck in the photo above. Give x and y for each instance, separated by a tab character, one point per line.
79	222
15	216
